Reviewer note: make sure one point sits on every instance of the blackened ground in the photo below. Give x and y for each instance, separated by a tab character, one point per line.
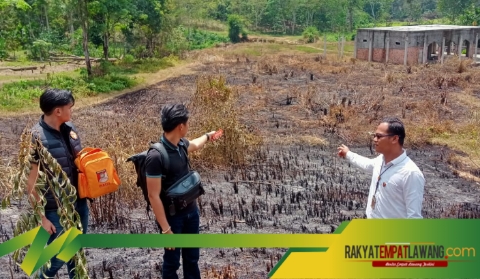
288	188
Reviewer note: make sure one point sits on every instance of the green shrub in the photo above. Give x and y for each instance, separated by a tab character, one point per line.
177	42
3	49
199	39
128	59
110	83
311	34
40	50
25	93
244	35
235	28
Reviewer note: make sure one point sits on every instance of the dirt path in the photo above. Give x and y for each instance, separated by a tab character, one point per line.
145	80
43	69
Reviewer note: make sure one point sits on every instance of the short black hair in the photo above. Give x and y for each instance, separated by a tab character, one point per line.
53	98
174	115
395	127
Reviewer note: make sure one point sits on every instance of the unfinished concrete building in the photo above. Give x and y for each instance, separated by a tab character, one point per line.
417	44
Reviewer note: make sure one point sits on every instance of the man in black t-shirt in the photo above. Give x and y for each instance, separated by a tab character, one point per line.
175	127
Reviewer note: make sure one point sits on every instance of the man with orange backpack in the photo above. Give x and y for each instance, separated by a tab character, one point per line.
174	217
60	138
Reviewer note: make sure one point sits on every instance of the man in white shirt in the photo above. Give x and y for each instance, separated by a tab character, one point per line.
396	189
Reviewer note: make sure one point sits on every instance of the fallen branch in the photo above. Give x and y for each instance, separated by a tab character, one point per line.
24	68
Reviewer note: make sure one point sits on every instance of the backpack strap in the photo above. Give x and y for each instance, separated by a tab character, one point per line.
185	150
163	152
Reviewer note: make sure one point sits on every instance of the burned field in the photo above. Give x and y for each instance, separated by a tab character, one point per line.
291	111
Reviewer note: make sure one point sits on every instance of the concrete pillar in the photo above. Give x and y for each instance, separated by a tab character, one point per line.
355	47
325	45
343	44
471	50
388	47
406	51
425	49
370	46
460	44
475	44
338	47
443	50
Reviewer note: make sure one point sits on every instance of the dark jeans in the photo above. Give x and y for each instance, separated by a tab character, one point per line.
52	216
185	223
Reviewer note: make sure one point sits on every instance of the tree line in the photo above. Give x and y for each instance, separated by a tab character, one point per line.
155	28
292	16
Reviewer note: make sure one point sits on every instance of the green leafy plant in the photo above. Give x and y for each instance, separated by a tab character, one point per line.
199	39
3	49
235	28
40	50
311	34
25	93
55	181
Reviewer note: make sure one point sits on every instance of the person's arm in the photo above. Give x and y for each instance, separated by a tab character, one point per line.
413	194
153	169
154	186
198	143
361	162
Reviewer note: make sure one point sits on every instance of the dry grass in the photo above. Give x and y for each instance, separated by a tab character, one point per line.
213	107
462	66
227	272
436	102
344	97
7	171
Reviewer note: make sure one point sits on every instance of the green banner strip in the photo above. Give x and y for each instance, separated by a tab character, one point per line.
71	241
457	238
206	240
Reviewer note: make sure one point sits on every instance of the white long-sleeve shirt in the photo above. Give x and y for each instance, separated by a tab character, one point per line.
400	190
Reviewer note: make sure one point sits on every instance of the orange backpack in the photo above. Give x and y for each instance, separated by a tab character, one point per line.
97	175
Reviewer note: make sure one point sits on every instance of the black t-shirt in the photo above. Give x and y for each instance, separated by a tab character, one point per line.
178	167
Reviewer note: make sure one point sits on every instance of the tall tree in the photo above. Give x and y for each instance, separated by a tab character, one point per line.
108	14
378	9
471	16
453	9
292	6
257	8
151	18
352	5
413	10
84	22
10	31
310	8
